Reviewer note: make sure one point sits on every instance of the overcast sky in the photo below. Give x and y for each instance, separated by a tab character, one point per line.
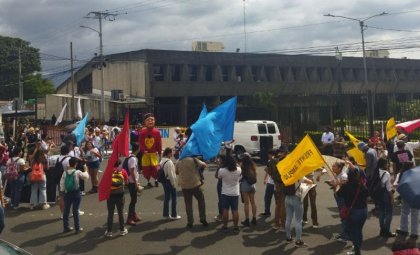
283	26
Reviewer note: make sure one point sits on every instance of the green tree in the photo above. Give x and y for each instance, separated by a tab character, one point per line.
9	66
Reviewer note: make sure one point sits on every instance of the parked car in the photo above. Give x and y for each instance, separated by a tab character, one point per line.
11	249
256	137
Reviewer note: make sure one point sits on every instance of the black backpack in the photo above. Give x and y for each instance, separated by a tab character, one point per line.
59	169
375	188
125	164
161	176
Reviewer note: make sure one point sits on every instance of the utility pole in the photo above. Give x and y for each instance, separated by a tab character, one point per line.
370	103
339	58
99	16
244	4
20	103
72	82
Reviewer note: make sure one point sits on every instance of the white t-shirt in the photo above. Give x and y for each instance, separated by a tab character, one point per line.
75	152
20	162
90	156
270	180
327	138
386	179
133	163
65	162
78	175
230	181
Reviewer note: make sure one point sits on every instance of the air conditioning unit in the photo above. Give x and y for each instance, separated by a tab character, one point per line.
121	97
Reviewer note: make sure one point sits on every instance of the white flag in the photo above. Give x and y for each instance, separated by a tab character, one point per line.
60	118
79	109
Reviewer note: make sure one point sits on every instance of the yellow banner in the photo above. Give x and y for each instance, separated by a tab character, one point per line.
391	129
359	156
353	139
304	159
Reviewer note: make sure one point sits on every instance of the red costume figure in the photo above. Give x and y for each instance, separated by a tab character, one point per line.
150	143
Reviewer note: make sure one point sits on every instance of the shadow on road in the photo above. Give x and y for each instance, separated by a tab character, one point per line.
34	225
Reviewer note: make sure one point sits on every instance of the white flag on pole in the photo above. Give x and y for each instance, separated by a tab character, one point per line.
79	109
60	118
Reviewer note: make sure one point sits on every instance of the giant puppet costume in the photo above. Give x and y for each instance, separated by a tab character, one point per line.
150	143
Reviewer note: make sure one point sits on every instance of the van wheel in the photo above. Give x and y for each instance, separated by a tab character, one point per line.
239	152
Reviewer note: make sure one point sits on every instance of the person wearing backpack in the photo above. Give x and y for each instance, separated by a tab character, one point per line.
61	165
169	184
69	185
247	188
116	199
386	201
131	166
38	180
15	175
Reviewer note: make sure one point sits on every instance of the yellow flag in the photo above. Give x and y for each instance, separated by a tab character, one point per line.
353	139
391	129
304	159
359	156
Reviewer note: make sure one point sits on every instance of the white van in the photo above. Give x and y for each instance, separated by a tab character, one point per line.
252	136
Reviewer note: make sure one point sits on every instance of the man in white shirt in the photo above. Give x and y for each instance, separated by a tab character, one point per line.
133	184
327	140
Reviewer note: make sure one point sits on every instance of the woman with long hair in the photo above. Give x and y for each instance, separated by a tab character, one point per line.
38	180
230	174
355	197
93	157
247	188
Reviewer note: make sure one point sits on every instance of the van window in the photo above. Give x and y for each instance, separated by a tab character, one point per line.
271	128
262	129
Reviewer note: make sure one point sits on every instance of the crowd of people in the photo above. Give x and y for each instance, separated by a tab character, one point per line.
62	179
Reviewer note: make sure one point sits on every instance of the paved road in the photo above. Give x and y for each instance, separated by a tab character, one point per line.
39	231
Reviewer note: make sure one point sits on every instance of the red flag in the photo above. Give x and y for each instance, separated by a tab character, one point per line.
409	126
119	147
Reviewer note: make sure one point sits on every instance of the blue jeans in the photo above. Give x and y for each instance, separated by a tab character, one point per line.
16	189
219	195
40	198
340	204
268	196
385	214
414	221
354	225
294	206
170	194
71	198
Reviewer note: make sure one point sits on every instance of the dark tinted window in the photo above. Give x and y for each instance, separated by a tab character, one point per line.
271	128
262	129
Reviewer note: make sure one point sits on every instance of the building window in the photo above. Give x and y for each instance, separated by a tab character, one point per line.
192	72
175	73
225	73
209	73
158	72
84	86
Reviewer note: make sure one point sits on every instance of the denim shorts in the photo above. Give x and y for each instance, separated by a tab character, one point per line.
246	187
229	202
94	165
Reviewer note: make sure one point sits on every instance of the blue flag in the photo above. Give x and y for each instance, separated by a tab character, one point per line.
203	112
79	131
209	132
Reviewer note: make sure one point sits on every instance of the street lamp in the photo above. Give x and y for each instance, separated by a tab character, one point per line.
362	29
101	59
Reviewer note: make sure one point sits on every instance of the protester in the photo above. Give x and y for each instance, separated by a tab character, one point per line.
190	182
327	140
169	185
93	156
38	180
339	146
69	185
230	174
16	184
116	199
150	143
385	204
219	216
407	210
310	198
247	188
132	167
355	195
371	157
410	146
294	206
269	187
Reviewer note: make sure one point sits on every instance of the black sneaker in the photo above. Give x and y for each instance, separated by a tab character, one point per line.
289	240
66	230
204	223
79	230
189	225
265	214
388	234
245	223
156	184
300	244
149	185
224	229
254	221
